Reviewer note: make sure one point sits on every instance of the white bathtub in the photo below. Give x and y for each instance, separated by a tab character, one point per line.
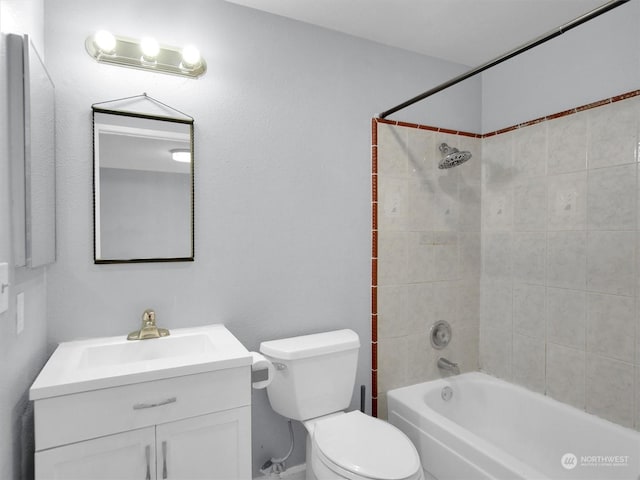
493	429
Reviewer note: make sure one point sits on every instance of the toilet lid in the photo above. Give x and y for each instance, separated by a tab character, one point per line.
366	446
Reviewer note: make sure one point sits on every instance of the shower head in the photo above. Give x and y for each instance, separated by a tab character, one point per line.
452	156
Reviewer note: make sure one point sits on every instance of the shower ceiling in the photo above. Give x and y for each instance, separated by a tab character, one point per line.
463	31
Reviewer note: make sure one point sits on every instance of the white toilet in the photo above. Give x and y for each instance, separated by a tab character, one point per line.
313	382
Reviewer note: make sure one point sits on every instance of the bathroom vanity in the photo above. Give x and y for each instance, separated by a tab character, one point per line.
171	407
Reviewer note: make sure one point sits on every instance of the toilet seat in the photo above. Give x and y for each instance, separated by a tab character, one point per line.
357	446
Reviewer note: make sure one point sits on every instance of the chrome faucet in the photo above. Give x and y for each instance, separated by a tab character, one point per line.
149	329
448	366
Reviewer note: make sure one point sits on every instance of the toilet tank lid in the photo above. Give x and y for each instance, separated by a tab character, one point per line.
311	345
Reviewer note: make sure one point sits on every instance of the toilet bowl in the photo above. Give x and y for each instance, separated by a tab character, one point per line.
313	382
358	447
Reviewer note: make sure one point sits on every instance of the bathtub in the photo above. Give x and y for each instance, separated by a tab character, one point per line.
492	429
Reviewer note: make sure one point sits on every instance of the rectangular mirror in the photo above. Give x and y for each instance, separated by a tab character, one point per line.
143	188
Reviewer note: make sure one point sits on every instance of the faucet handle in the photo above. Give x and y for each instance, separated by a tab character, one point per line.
149	318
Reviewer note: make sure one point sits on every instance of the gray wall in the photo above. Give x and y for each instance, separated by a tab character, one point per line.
593	61
21	357
282	148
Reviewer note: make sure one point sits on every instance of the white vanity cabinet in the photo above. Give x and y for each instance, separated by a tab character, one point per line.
129	455
180	413
211	446
190	427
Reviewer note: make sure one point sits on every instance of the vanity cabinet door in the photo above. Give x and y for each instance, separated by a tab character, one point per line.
213	446
129	455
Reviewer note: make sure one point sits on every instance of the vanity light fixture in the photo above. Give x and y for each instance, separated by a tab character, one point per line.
145	54
182	155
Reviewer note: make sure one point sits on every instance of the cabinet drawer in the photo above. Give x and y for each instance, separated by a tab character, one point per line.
72	418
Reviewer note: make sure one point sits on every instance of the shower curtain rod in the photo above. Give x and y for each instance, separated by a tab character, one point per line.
510	54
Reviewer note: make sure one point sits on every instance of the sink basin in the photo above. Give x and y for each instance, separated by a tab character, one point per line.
106	362
126	352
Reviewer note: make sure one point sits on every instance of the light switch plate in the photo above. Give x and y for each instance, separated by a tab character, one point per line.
4	287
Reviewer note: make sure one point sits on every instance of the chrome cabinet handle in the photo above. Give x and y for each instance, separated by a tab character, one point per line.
147	453
142	406
164	460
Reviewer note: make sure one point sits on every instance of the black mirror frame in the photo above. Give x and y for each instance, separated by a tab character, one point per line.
190	122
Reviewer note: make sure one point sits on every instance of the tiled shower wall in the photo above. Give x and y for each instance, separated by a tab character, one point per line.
560	276
428	255
556	262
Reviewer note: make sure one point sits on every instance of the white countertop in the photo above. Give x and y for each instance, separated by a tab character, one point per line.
107	362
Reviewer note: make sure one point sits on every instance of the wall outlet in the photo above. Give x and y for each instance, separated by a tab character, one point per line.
20	313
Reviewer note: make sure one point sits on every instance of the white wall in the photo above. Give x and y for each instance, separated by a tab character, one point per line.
594	61
21	357
282	148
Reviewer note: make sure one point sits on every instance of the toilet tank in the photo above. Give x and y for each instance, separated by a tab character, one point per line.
314	374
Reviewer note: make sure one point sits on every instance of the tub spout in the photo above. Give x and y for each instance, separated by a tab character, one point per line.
448	366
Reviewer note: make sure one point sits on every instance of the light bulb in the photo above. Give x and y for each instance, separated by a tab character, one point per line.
190	56
149	48
181	155
105	41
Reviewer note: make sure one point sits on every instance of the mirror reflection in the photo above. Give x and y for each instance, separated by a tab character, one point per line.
143	188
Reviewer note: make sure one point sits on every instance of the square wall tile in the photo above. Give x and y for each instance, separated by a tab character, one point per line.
393	363
530	205
432	256
565	375
566	260
420	296
611	324
497	159
382	406
392	258
444	303
566	317
392	150
469	302
463	348
528	311
529	257
496	305
611	198
611	262
393	317
421	152
613	134
393	208
567	201
497	256
495	352
422	359
530	156
420	195
443	202
609	389
470	255
567	144
497	208
470	214
471	171
529	362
